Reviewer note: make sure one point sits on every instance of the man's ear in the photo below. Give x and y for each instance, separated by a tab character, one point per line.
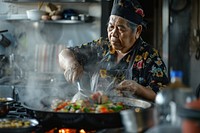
138	31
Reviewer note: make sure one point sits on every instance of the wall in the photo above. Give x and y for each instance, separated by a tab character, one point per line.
194	44
179	32
183	39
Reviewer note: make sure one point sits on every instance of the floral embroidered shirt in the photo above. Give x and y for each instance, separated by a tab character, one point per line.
142	63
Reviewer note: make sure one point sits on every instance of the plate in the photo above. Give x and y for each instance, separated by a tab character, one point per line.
17	125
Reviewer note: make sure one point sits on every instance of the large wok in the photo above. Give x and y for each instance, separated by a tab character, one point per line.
142	109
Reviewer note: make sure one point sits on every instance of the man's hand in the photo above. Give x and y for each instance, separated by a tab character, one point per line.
72	68
73	72
131	87
128	86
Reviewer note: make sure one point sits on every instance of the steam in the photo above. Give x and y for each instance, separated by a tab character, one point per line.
37	89
42	75
36	54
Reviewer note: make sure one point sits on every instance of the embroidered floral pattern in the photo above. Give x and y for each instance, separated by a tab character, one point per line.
103	73
140	12
140	64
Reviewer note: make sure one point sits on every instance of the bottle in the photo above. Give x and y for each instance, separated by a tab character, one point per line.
176	80
175	95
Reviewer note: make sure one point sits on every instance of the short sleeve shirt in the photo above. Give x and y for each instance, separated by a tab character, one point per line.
142	63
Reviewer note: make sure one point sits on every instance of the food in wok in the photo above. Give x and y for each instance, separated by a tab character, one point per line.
97	103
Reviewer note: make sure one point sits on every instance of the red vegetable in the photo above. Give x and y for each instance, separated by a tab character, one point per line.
61	105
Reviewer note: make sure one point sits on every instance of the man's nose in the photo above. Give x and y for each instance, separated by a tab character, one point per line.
115	32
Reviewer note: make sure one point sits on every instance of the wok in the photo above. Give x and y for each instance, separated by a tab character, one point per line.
93	120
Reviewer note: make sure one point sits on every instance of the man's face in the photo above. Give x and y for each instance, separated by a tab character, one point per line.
121	36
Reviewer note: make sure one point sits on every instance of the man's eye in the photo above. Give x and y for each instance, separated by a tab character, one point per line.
121	28
110	27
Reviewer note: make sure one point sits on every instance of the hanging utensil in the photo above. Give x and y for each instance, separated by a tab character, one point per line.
3	31
4	41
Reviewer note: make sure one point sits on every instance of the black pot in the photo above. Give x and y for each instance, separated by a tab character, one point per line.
4	109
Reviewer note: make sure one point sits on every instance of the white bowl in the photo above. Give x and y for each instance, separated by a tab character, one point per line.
35	14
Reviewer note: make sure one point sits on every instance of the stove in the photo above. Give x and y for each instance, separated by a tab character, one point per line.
18	111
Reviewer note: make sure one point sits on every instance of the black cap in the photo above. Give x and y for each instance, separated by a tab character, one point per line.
130	10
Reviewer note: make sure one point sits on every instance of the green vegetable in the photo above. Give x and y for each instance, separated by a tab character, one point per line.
86	110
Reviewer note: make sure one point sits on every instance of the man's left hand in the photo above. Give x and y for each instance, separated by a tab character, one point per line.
128	86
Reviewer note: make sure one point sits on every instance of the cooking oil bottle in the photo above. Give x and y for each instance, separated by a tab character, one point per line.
175	95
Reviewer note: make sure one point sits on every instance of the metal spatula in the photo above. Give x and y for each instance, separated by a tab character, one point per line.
80	95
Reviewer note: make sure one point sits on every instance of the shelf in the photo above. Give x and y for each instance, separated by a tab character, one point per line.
56	1
17	17
62	21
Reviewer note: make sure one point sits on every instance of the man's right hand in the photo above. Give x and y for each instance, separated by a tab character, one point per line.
72	68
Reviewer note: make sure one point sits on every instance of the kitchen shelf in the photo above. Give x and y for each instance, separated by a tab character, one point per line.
53	21
63	21
14	17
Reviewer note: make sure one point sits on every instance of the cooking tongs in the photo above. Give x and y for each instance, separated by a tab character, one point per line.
81	94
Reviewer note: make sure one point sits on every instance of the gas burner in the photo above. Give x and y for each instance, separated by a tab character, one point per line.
68	130
16	110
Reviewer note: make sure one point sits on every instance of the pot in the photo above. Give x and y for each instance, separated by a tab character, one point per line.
93	120
4	109
190	115
4	106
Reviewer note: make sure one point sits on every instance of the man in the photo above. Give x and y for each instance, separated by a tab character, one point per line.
124	57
